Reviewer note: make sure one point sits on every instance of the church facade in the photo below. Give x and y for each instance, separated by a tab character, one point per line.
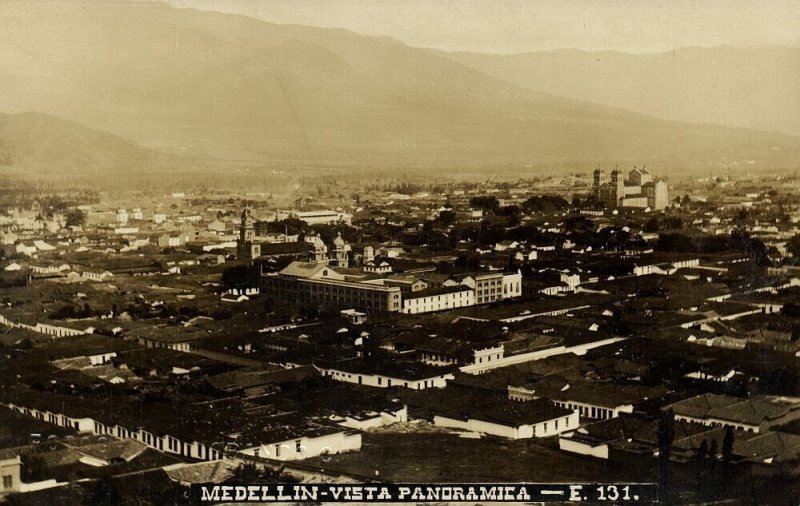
639	190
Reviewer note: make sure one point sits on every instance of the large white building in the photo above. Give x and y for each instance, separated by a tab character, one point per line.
639	190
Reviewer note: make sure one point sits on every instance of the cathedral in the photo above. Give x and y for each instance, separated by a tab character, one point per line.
638	190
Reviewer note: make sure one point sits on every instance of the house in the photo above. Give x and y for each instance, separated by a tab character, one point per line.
234	298
8	238
755	414
43	246
506	245
539	420
382	267
466	409
217	226
591	400
322	441
10	472
96	276
353	316
385	374
170	240
526	256
25	249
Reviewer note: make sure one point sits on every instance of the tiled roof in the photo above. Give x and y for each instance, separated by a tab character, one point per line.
302	269
204	472
747	411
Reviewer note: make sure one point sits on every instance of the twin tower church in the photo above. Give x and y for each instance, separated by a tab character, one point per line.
638	190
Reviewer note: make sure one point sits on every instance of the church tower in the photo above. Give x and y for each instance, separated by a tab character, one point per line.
246	248
597	182
340	249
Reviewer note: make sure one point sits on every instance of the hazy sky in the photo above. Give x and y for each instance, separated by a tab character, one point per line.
512	26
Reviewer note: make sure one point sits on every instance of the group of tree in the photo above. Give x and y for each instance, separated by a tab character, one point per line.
738	241
70	312
793	246
656	224
75	218
484	202
707	453
545	204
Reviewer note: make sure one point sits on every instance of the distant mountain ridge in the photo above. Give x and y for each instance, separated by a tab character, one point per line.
53	145
746	87
229	87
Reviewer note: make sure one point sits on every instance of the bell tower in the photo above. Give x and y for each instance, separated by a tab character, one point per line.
245	247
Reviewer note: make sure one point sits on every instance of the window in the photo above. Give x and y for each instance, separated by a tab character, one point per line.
8	481
277	450
297	446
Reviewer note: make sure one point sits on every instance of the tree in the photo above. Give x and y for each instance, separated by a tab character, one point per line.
793	246
246	474
727	445
446	218
75	218
104	492
712	453
651	225
702	452
579	224
791	310
547	203
485	202
665	436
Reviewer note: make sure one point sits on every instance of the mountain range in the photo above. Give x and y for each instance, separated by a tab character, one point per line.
231	88
750	87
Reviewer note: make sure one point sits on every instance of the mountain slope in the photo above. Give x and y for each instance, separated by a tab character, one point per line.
743	87
232	87
52	145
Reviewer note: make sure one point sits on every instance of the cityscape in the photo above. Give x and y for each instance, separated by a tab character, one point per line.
172	319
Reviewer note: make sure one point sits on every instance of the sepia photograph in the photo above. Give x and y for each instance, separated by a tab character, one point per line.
399	252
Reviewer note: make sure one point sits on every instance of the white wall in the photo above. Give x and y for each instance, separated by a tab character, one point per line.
376	380
522	431
305	448
568	444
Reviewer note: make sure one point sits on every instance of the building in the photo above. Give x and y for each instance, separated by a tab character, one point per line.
10	473
386	374
755	414
440	299
322	217
599	401
341	250
312	284
493	286
246	245
639	190
488	413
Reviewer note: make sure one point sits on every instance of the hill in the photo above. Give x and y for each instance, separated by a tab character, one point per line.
740	87
53	145
235	88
